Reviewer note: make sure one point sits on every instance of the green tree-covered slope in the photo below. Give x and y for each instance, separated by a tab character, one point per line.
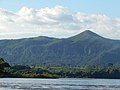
86	48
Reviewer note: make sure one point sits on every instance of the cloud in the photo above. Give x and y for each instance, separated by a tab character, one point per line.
56	22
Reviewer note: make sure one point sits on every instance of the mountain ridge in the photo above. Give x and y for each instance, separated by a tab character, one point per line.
86	48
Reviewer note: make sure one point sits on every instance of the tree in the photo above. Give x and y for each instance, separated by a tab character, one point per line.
3	64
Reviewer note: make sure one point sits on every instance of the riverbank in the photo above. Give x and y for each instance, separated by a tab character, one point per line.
21	71
54	71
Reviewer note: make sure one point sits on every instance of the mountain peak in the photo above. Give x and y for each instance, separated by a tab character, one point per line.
87	31
87	34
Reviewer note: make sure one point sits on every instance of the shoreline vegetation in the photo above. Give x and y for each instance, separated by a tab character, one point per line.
55	71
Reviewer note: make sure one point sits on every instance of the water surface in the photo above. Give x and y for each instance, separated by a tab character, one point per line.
59	84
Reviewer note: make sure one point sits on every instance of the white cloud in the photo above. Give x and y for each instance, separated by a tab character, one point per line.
56	22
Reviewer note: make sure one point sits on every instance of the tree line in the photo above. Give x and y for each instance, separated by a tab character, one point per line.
54	71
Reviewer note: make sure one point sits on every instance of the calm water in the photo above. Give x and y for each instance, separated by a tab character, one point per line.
59	84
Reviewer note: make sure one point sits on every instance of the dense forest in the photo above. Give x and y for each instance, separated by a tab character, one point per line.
55	71
86	48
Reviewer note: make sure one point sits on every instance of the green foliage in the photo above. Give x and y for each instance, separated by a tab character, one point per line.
20	67
3	64
25	71
86	48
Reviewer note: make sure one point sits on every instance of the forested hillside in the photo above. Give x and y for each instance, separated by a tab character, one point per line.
86	48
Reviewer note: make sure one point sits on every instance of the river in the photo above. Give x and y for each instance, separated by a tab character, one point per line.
59	84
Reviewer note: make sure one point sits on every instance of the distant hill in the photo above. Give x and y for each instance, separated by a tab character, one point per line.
86	48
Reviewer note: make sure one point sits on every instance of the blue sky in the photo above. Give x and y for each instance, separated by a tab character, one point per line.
59	18
108	7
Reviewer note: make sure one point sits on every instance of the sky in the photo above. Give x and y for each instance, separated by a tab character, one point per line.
58	18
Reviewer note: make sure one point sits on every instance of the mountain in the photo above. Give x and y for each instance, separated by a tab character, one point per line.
86	48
